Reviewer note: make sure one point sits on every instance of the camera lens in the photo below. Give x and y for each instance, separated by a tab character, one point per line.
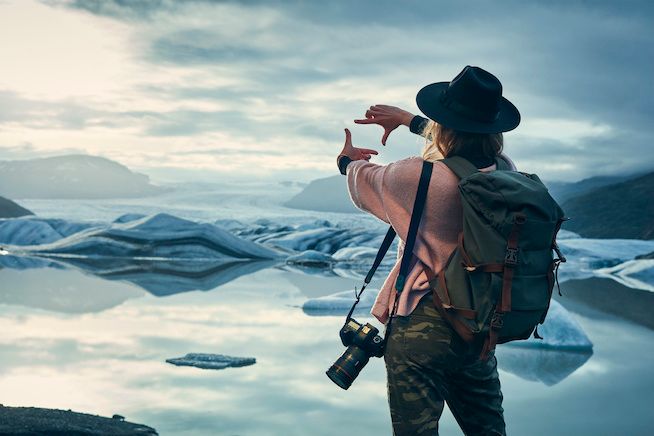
347	367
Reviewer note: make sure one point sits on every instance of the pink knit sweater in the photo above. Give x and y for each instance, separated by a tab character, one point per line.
388	192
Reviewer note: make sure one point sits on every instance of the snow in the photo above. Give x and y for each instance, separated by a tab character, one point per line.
211	361
339	303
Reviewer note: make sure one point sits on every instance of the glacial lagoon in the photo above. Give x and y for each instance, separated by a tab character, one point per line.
93	335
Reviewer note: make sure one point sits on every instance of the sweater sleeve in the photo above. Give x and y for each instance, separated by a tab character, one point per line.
365	186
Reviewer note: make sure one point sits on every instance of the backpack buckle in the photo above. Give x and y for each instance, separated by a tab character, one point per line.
497	321
511	256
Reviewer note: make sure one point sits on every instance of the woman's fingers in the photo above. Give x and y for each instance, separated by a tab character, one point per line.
348	138
368	151
366	121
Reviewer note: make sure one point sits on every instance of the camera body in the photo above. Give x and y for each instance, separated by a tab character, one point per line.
362	342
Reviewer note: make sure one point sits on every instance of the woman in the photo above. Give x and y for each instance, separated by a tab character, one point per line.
427	363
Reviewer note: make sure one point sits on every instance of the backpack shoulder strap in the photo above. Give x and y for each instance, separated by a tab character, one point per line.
460	166
416	214
502	164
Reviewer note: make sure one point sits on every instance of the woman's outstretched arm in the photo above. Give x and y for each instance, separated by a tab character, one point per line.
364	178
391	117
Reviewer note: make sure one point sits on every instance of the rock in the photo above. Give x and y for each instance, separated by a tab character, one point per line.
9	209
27	421
327	194
620	210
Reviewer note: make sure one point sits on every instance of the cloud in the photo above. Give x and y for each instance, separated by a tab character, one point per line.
295	73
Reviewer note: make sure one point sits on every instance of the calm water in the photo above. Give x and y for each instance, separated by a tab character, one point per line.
72	340
99	346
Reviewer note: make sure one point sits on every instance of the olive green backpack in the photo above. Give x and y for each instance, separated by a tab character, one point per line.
497	284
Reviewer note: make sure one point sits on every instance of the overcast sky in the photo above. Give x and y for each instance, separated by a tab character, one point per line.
263	89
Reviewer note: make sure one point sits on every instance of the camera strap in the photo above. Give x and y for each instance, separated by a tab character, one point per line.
416	214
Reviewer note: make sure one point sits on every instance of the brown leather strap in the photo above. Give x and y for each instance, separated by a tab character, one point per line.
466	313
446	294
510	262
497	321
464	254
507	280
489	344
459	327
491	267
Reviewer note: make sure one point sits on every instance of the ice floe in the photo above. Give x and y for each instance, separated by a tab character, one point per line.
339	303
211	361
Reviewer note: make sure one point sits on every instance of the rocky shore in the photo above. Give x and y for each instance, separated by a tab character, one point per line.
24	421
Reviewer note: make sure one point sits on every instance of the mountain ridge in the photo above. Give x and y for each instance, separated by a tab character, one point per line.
72	176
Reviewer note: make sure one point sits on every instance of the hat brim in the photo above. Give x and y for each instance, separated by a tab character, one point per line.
430	103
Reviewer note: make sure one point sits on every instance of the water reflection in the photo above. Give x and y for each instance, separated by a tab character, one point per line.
112	360
543	365
158	277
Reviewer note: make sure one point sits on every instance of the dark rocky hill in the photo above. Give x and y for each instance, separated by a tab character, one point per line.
621	210
563	191
72	176
9	209
328	194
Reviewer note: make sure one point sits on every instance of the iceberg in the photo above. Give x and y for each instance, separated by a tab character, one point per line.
339	303
560	331
311	258
211	361
585	256
35	231
636	274
159	236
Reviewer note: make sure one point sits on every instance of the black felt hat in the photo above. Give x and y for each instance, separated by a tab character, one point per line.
472	102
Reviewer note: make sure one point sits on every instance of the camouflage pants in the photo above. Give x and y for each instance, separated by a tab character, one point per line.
427	363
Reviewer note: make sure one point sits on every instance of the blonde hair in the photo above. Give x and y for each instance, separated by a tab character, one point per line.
443	141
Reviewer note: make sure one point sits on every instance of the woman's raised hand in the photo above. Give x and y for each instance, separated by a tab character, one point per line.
389	117
353	152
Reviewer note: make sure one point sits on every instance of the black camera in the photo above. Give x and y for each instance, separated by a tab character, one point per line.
362	342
